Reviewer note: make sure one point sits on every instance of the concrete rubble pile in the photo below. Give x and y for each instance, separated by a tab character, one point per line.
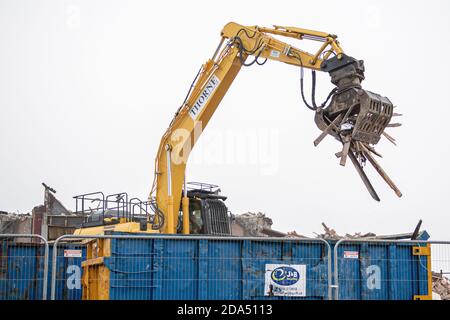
259	225
441	285
332	234
15	223
251	224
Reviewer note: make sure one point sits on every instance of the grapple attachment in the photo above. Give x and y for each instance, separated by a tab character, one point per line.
356	117
375	113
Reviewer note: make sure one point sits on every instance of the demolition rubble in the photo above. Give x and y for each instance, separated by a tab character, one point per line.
441	285
331	234
15	223
259	225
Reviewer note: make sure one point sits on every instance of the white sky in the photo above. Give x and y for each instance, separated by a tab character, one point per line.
87	88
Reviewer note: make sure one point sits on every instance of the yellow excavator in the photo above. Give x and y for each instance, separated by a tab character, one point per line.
357	118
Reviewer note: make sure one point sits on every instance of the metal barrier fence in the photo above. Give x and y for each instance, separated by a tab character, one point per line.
440	267
124	266
121	267
386	269
67	270
23	267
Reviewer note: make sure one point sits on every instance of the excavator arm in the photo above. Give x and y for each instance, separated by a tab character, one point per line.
362	125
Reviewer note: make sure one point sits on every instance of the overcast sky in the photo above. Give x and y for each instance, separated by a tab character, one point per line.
87	88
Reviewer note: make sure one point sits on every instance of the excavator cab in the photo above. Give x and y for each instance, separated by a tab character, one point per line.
208	213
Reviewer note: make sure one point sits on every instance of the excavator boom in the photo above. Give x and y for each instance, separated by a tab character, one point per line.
355	117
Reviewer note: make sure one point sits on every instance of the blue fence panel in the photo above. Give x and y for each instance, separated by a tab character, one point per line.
68	271
209	268
381	271
21	270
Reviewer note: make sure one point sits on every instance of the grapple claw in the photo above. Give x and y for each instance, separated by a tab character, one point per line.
355	117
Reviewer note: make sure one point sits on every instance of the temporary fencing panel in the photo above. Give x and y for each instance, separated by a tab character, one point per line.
124	266
120	267
24	271
68	271
385	270
23	267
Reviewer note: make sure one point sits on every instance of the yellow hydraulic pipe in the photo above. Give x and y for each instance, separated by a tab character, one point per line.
170	224
185	208
185	204
170	227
